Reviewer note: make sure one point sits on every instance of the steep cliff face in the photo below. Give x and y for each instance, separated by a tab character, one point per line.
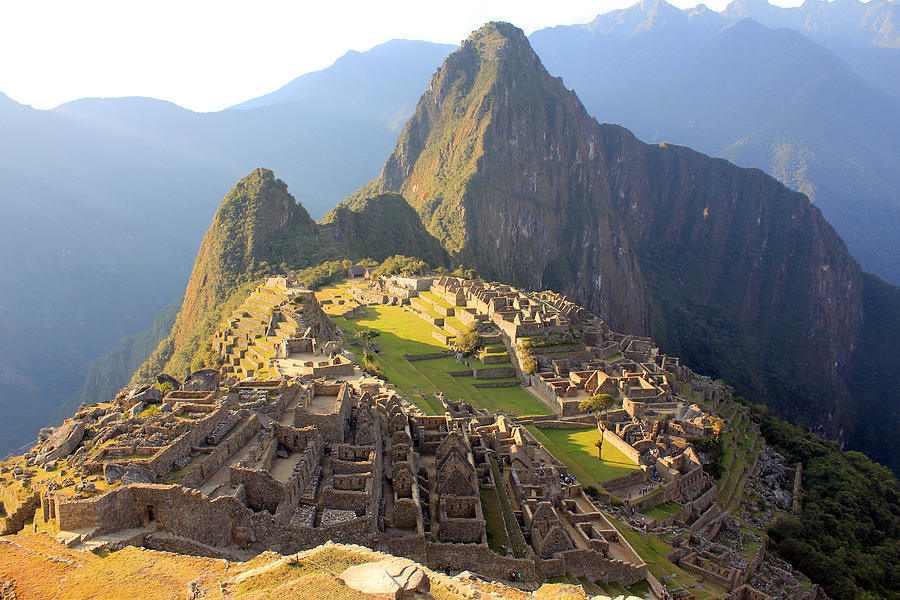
496	162
736	248
724	265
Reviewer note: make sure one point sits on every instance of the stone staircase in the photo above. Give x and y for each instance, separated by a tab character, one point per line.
248	339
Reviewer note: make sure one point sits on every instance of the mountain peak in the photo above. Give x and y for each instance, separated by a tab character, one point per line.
493	71
497	31
498	41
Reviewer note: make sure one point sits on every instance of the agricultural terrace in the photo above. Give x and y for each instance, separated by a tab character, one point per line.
653	551
575	447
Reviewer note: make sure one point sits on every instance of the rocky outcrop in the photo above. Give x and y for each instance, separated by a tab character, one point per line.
165	378
130	395
389	578
61	442
204	380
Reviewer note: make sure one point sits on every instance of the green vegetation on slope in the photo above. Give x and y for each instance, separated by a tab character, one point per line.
370	224
847	536
259	229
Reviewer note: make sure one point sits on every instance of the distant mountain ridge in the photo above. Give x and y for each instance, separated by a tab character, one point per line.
773	99
384	81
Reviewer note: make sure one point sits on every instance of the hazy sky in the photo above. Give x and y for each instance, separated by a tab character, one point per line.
206	55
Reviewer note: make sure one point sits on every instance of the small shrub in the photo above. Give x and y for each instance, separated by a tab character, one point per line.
529	363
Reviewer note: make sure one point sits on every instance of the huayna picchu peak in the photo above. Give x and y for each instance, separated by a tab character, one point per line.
534	358
720	263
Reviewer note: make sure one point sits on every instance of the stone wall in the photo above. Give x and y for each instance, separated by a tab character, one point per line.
413	357
594	566
494	373
263	491
163	462
332	426
621	445
563	425
705	519
186	512
477	558
343	368
745	592
441	336
489	359
17	516
725	576
467	317
239	437
634	478
350	491
496	384
560	349
405	512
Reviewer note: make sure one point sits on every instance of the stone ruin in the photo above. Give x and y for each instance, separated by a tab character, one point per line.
228	467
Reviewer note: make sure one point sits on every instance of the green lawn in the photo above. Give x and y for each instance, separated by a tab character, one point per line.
661	511
653	551
493	522
575	448
402	332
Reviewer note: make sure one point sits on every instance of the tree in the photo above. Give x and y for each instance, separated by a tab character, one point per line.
597	402
469	341
366	336
599	444
405	265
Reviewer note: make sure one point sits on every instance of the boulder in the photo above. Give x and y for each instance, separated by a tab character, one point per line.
136	474
108	419
166	378
130	395
147	394
90	413
62	442
204	380
135	410
389	578
113	472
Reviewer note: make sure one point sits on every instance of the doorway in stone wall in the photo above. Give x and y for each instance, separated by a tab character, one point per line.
151	513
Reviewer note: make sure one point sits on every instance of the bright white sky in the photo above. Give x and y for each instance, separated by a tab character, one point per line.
209	54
